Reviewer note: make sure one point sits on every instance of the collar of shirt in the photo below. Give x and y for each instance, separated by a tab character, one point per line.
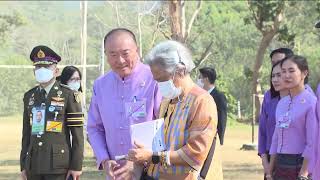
48	88
136	69
211	89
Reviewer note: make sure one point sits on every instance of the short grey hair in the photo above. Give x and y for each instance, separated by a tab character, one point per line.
169	55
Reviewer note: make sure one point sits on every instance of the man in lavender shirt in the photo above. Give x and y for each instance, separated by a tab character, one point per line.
126	95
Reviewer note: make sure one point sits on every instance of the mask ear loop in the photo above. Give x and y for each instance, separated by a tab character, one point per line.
174	73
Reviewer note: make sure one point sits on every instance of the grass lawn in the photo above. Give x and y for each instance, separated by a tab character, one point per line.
237	164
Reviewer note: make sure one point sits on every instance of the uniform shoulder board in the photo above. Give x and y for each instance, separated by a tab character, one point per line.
77	96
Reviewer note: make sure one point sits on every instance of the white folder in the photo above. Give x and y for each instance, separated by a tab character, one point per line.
150	134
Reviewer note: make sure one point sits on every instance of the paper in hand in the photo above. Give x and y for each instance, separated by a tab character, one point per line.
150	134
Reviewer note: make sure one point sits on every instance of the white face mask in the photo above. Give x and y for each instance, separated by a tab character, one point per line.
74	86
200	83
168	89
43	75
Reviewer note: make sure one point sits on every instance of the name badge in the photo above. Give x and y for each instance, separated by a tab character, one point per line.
54	126
284	121
38	120
136	109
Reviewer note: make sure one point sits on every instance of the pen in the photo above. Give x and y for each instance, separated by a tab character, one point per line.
121	157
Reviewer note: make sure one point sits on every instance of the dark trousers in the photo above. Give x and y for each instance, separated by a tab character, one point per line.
46	176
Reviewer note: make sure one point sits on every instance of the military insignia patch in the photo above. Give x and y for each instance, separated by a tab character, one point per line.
59	93
41	54
77	97
31	102
58	98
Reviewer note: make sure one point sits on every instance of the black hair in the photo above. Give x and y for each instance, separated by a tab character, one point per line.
301	62
67	73
286	51
119	30
273	92
209	73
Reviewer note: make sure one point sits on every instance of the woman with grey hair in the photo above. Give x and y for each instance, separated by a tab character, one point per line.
189	112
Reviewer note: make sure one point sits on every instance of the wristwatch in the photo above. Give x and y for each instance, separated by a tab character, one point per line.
155	158
302	178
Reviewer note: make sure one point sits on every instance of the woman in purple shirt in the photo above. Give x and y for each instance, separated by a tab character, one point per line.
268	115
296	124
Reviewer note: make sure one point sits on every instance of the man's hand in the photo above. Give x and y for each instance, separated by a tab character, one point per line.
75	175
125	171
23	175
109	166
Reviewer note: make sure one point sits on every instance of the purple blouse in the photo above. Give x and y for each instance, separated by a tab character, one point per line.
296	125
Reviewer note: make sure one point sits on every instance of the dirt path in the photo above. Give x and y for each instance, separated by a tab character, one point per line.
239	164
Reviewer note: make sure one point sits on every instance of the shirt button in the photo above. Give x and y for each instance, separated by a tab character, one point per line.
122	97
62	151
40	143
121	143
120	127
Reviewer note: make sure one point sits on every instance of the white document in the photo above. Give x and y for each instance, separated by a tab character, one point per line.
150	134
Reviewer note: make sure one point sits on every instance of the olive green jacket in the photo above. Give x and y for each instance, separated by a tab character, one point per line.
53	152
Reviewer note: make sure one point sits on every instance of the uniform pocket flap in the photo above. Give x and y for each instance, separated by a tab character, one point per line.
59	149
60	156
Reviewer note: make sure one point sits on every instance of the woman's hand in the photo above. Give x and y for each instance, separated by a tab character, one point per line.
269	177
265	164
139	154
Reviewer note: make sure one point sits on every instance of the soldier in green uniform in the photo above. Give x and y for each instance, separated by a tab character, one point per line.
47	152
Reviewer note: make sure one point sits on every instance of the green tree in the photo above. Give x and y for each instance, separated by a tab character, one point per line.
266	16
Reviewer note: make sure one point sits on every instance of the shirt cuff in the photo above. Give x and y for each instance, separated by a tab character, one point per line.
273	150
307	153
188	159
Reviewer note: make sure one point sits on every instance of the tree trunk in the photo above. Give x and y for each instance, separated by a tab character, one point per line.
256	88
175	14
